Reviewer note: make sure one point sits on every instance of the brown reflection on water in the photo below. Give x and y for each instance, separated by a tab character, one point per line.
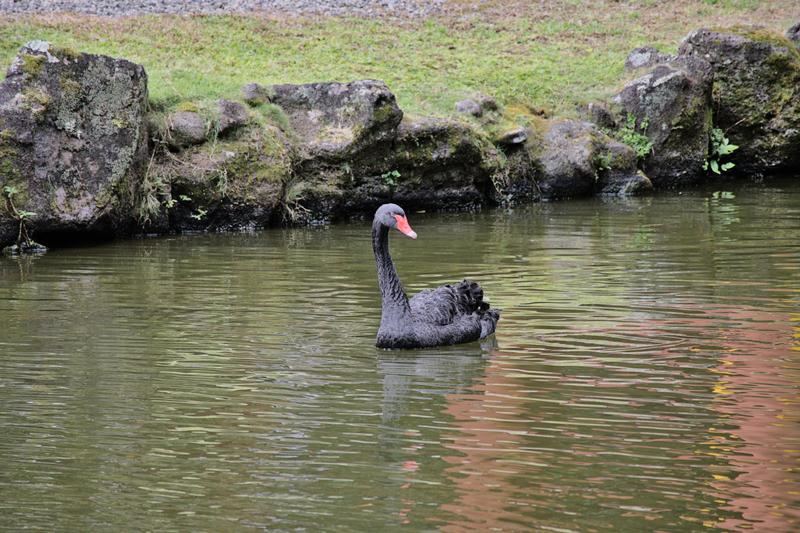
750	453
758	390
485	492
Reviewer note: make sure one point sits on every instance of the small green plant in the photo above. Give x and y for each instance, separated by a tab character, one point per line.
637	140
348	170
718	147
390	178
292	197
148	204
172	202
184	198
24	241
200	214
220	181
603	161
147	198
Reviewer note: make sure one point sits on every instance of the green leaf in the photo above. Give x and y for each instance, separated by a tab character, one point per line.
26	214
705	165
200	214
727	166
726	149
714	166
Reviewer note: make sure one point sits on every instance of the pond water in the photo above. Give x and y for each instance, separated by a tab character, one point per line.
644	376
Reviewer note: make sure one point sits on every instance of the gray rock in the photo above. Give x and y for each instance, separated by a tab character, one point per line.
577	159
255	94
434	164
671	105
185	128
441	165
469	107
645	56
756	101
231	115
567	159
625	184
793	33
478	106
72	140
335	121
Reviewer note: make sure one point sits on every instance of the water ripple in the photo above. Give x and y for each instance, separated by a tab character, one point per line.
645	377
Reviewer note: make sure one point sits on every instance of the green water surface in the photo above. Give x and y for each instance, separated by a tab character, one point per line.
644	376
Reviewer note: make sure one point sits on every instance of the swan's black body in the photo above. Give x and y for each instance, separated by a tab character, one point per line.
434	317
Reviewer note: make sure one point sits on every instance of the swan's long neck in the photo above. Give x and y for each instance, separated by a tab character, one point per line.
393	297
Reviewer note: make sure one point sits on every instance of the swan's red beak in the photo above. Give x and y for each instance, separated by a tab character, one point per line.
403	227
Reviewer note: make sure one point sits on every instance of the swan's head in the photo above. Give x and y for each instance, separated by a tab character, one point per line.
393	216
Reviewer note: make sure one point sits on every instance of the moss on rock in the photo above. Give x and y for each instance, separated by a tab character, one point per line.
237	181
755	94
74	122
31	64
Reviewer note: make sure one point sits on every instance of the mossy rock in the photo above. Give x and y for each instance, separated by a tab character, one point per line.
335	122
434	164
234	183
73	139
440	165
756	94
669	109
577	160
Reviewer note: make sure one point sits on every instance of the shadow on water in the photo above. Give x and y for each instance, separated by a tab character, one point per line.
644	376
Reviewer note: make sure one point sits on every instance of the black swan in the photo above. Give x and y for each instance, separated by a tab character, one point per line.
434	317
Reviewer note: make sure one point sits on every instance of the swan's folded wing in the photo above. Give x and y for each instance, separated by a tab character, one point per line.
437	306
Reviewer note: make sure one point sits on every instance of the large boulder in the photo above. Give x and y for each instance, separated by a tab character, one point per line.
338	121
72	139
435	164
355	153
671	106
755	93
443	164
577	159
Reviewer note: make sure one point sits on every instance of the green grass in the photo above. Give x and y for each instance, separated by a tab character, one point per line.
552	61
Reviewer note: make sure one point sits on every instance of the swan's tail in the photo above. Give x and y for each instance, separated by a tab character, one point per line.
470	300
469	297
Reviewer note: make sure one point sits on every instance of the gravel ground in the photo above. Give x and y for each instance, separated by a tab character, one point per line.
115	8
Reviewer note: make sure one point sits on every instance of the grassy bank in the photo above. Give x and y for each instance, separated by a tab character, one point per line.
549	55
